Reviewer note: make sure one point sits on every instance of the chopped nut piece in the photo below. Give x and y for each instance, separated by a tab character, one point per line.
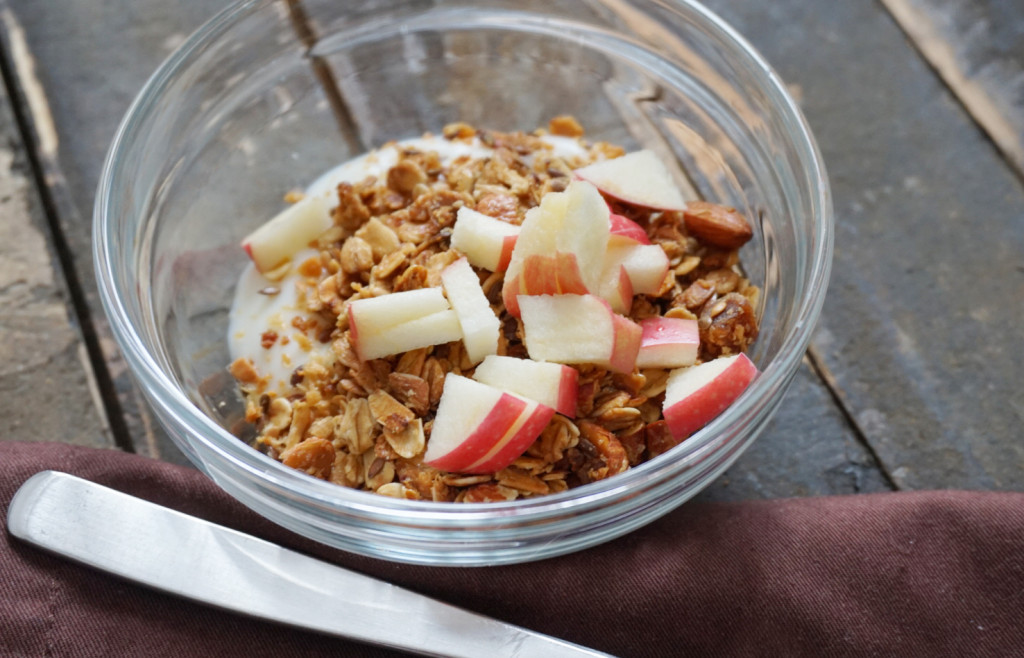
350	212
382	238
717	225
458	131
356	255
405	176
409	442
565	125
397	490
354	428
313	456
392	415
244	371
696	295
501	206
489	493
278	417
377	471
412	390
515	478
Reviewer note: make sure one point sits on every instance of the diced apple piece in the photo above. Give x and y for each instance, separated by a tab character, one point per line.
291	231
639	178
646	265
436	329
480	326
616	288
668	343
571	227
401	321
551	384
695	396
378	313
487	242
625	231
578	329
481	429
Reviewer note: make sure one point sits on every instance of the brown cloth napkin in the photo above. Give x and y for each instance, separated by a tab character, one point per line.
906	574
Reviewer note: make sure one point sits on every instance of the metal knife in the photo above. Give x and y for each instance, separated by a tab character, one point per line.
211	564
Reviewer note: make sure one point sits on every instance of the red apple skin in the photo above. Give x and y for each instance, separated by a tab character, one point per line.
489	431
624	229
570	281
544	274
540	275
510	295
674	336
517	445
627	344
702	406
507	245
568	391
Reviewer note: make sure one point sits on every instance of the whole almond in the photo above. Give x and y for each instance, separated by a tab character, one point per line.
719	226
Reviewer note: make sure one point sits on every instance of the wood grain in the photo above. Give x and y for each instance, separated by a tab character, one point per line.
47	389
920	331
977	47
74	95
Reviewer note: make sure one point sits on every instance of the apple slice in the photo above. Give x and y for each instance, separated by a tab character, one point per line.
695	396
625	231
526	430
480	326
579	329
570	227
291	231
646	265
668	343
401	321
639	178
482	429
487	242
552	384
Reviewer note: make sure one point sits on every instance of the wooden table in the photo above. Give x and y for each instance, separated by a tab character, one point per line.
913	380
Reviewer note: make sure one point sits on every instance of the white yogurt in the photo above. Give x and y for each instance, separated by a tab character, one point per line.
253	313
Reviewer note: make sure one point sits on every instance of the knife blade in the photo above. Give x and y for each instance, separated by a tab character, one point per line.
198	560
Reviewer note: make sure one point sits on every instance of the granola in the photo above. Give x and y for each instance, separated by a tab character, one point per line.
366	423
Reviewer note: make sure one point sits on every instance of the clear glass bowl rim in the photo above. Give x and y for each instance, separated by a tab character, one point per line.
163	392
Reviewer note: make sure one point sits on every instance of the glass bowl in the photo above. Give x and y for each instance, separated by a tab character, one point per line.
268	95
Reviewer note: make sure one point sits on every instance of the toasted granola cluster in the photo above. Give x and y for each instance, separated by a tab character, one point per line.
365	424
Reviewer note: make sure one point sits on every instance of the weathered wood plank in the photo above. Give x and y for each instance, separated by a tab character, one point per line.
976	46
47	391
807	450
75	94
920	331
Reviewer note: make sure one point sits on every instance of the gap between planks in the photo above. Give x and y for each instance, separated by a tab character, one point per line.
817	364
